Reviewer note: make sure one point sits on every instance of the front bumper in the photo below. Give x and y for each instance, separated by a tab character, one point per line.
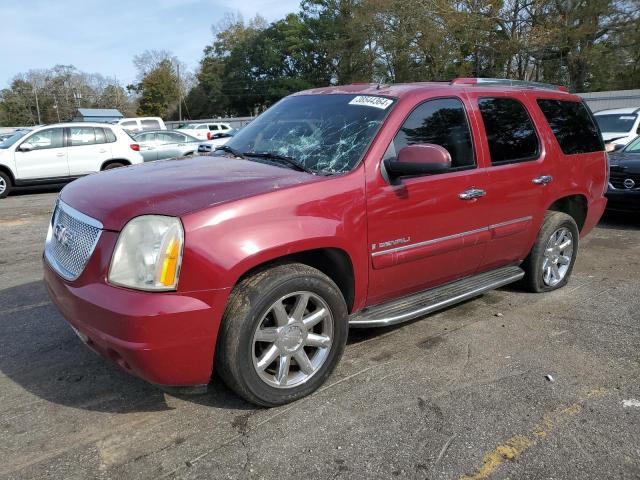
623	200
164	338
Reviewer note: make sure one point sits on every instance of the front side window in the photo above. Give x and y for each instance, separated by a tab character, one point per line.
100	137
150	124
633	147
510	131
328	134
50	138
441	122
572	126
79	136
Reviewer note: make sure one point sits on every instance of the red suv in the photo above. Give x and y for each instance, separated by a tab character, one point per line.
339	207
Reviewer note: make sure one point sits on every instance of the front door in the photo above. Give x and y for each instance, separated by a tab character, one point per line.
427	230
42	155
88	150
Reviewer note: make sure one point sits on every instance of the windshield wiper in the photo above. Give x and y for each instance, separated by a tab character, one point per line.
292	162
228	149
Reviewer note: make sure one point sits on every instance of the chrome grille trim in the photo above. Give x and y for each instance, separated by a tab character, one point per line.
82	232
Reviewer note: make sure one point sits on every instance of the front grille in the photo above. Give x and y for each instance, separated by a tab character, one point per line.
617	179
71	240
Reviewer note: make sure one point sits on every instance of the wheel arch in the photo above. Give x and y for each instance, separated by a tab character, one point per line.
7	170
106	163
575	205
334	262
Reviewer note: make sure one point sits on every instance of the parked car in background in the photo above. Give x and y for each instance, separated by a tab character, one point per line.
619	125
374	206
217	139
141	124
160	144
205	131
624	178
62	152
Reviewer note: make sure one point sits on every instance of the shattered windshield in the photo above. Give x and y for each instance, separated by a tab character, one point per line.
327	134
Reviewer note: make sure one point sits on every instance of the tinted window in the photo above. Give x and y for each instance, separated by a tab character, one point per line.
441	122
213	127
81	136
150	124
50	138
111	137
510	132
572	126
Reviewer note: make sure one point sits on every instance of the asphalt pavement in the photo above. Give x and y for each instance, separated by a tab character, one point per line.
509	385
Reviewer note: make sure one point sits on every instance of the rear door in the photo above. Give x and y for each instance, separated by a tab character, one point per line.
148	146
47	157
422	230
88	150
520	175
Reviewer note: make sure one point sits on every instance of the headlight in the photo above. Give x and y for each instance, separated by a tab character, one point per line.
148	254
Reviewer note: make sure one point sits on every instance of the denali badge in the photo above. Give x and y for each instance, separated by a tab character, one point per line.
391	243
62	235
629	183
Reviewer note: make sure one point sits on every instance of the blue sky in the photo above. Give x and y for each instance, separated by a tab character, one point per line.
103	35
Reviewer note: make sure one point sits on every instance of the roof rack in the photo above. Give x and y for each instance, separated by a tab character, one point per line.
506	81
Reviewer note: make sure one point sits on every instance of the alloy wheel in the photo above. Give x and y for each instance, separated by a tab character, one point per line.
292	340
557	257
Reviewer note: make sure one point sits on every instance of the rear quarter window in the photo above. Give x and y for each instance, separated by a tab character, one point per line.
572	125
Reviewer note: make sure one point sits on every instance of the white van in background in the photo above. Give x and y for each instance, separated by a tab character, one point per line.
141	124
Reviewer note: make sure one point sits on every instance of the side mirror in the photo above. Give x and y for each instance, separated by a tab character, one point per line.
613	147
25	147
421	159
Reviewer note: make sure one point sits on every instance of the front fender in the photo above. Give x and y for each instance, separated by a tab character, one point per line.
224	242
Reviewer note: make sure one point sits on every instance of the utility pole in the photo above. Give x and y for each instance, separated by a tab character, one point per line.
35	91
179	92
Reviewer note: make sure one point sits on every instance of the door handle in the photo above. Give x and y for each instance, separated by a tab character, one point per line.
103	151
543	179
60	154
472	193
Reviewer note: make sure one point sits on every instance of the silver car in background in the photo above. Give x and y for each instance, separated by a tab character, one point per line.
161	144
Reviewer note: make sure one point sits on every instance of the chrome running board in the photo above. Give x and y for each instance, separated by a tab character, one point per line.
419	304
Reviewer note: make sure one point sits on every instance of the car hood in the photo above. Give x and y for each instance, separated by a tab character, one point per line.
625	162
174	187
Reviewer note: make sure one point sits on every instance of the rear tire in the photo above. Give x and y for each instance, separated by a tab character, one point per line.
283	332
5	185
550	262
113	165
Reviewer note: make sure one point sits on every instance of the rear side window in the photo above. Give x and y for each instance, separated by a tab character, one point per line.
79	136
100	135
213	127
111	137
510	132
441	122
572	126
150	124
130	125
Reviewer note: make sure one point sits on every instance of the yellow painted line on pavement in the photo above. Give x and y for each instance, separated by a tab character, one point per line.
516	445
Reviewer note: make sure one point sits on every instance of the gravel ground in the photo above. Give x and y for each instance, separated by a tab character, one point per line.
458	394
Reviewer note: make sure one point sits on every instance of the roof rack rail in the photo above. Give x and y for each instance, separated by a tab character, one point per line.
507	81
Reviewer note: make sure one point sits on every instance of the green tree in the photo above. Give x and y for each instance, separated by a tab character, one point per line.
158	90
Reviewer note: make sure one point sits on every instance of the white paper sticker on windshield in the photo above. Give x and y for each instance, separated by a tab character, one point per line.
370	101
627	117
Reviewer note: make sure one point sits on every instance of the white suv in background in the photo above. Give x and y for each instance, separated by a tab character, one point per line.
619	125
62	152
205	131
141	124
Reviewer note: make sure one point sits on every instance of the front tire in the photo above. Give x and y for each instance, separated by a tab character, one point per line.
114	165
283	332
550	262
5	185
